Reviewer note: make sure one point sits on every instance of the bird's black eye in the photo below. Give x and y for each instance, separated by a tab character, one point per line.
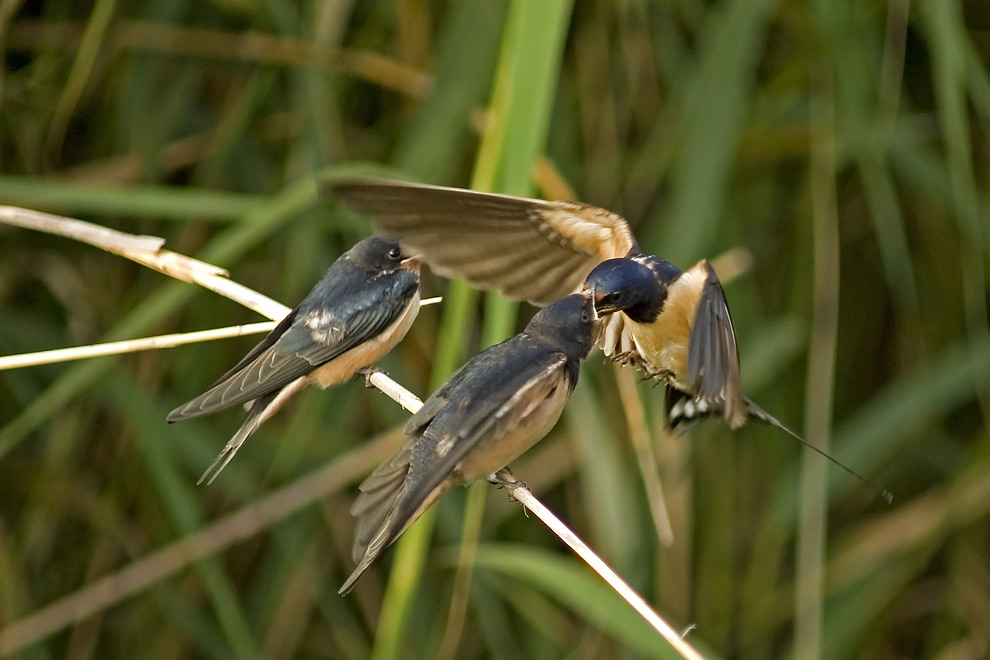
394	253
616	297
584	316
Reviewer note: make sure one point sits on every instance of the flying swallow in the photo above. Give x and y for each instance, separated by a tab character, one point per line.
491	410
676	326
679	330
362	306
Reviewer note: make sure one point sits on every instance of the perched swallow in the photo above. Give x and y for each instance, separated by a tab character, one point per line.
491	410
678	330
362	306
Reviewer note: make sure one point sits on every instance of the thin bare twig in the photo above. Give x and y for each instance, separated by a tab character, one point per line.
130	345
146	250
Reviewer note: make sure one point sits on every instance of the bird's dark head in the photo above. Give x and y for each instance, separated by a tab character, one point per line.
568	324
624	285
382	253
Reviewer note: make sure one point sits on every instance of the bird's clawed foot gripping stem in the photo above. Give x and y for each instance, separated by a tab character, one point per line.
368	372
504	479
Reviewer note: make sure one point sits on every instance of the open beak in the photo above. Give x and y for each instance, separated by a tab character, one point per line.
589	291
412	263
602	307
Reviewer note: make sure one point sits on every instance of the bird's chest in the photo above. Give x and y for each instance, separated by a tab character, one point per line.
366	353
663	344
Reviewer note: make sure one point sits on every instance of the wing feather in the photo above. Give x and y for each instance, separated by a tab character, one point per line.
311	339
487	406
481	236
713	356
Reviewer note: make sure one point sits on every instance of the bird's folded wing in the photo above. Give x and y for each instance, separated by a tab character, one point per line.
377	497
388	502
528	249
308	342
263	345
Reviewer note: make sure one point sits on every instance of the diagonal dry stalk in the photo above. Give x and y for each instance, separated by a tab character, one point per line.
105	592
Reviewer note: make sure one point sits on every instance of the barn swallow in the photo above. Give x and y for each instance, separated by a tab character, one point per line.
539	250
491	410
681	331
362	306
676	326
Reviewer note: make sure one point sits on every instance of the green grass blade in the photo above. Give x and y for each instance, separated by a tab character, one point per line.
134	201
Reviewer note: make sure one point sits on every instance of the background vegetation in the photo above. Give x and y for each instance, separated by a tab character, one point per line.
841	144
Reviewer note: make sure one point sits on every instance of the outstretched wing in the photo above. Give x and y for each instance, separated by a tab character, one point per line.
529	249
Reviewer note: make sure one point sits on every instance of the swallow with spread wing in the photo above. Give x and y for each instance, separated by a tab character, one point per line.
682	330
362	307
675	325
491	410
677	328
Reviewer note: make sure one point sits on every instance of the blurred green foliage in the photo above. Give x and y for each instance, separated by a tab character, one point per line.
754	124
